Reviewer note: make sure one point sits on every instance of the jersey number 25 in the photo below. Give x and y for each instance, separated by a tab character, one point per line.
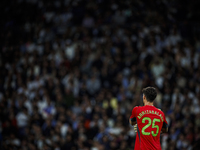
149	124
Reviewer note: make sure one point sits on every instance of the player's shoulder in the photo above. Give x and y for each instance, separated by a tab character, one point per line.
152	108
136	107
159	110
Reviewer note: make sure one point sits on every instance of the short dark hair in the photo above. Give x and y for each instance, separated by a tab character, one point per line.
150	93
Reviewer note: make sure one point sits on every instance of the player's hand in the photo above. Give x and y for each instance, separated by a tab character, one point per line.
135	128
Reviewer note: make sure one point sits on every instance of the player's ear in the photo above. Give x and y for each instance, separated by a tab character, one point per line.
144	97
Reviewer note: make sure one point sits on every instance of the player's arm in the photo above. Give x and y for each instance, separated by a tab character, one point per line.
165	125
132	119
164	128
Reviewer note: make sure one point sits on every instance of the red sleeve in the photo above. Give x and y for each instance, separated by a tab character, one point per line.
134	112
165	124
165	119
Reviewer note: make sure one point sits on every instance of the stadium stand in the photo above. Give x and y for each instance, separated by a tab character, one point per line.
72	70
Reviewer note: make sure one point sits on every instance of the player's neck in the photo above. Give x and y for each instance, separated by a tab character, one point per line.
148	104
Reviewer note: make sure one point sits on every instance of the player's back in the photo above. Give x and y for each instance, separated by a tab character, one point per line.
150	121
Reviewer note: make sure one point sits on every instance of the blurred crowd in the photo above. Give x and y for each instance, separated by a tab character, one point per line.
72	71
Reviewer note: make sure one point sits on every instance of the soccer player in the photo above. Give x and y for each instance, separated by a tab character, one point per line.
150	122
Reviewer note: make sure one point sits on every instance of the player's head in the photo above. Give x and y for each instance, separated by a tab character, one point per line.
149	94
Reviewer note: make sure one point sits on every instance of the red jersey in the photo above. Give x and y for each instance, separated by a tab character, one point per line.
137	142
150	121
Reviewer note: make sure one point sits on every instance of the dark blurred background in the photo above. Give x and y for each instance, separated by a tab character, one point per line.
72	70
